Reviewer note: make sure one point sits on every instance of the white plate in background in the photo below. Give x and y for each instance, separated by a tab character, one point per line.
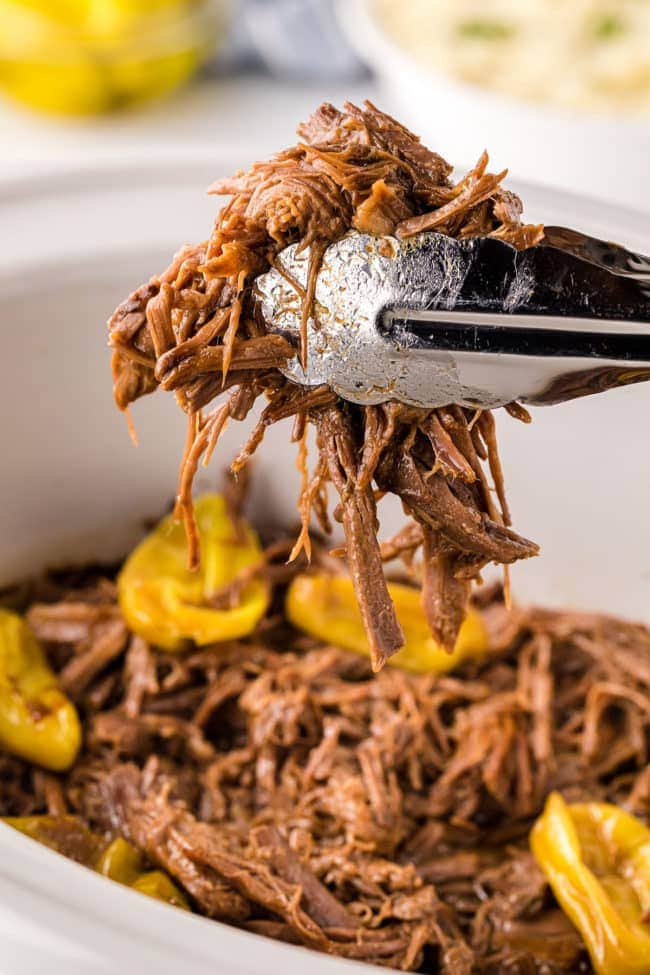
606	156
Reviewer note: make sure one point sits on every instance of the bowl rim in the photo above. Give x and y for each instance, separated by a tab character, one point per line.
358	22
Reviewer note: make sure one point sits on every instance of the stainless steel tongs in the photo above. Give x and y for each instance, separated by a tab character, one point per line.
431	320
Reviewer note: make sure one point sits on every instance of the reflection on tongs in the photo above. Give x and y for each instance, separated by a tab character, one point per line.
431	320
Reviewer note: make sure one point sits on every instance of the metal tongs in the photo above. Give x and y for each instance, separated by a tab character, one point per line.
431	320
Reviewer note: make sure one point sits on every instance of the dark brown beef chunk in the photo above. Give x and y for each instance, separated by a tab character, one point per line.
325	909
359	517
433	502
326	126
157	828
517	921
444	597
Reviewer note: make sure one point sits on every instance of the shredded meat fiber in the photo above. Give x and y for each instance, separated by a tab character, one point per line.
383	818
193	330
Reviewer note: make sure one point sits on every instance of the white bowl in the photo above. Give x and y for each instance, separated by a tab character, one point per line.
607	156
73	488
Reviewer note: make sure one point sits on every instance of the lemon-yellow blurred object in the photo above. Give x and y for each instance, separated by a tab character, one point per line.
91	56
67	835
122	862
325	606
596	857
169	605
37	721
155	883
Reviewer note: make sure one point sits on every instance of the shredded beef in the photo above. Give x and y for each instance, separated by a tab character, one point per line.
193	330
385	818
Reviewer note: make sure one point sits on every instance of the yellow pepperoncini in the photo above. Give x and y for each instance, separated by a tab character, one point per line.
155	883
169	605
122	862
325	606
596	857
37	721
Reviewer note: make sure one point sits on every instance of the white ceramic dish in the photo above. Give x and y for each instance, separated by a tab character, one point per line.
604	155
73	488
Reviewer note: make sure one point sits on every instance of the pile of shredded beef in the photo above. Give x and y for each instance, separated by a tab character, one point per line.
385	818
193	330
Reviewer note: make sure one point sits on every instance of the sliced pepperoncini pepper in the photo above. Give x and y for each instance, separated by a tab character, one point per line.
596	857
155	883
120	861
37	721
325	607
169	605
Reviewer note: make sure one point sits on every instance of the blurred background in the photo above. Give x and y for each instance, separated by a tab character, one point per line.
558	90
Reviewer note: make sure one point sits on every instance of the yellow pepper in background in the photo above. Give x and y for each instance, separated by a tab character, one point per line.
325	607
111	19
169	605
37	721
90	56
596	858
